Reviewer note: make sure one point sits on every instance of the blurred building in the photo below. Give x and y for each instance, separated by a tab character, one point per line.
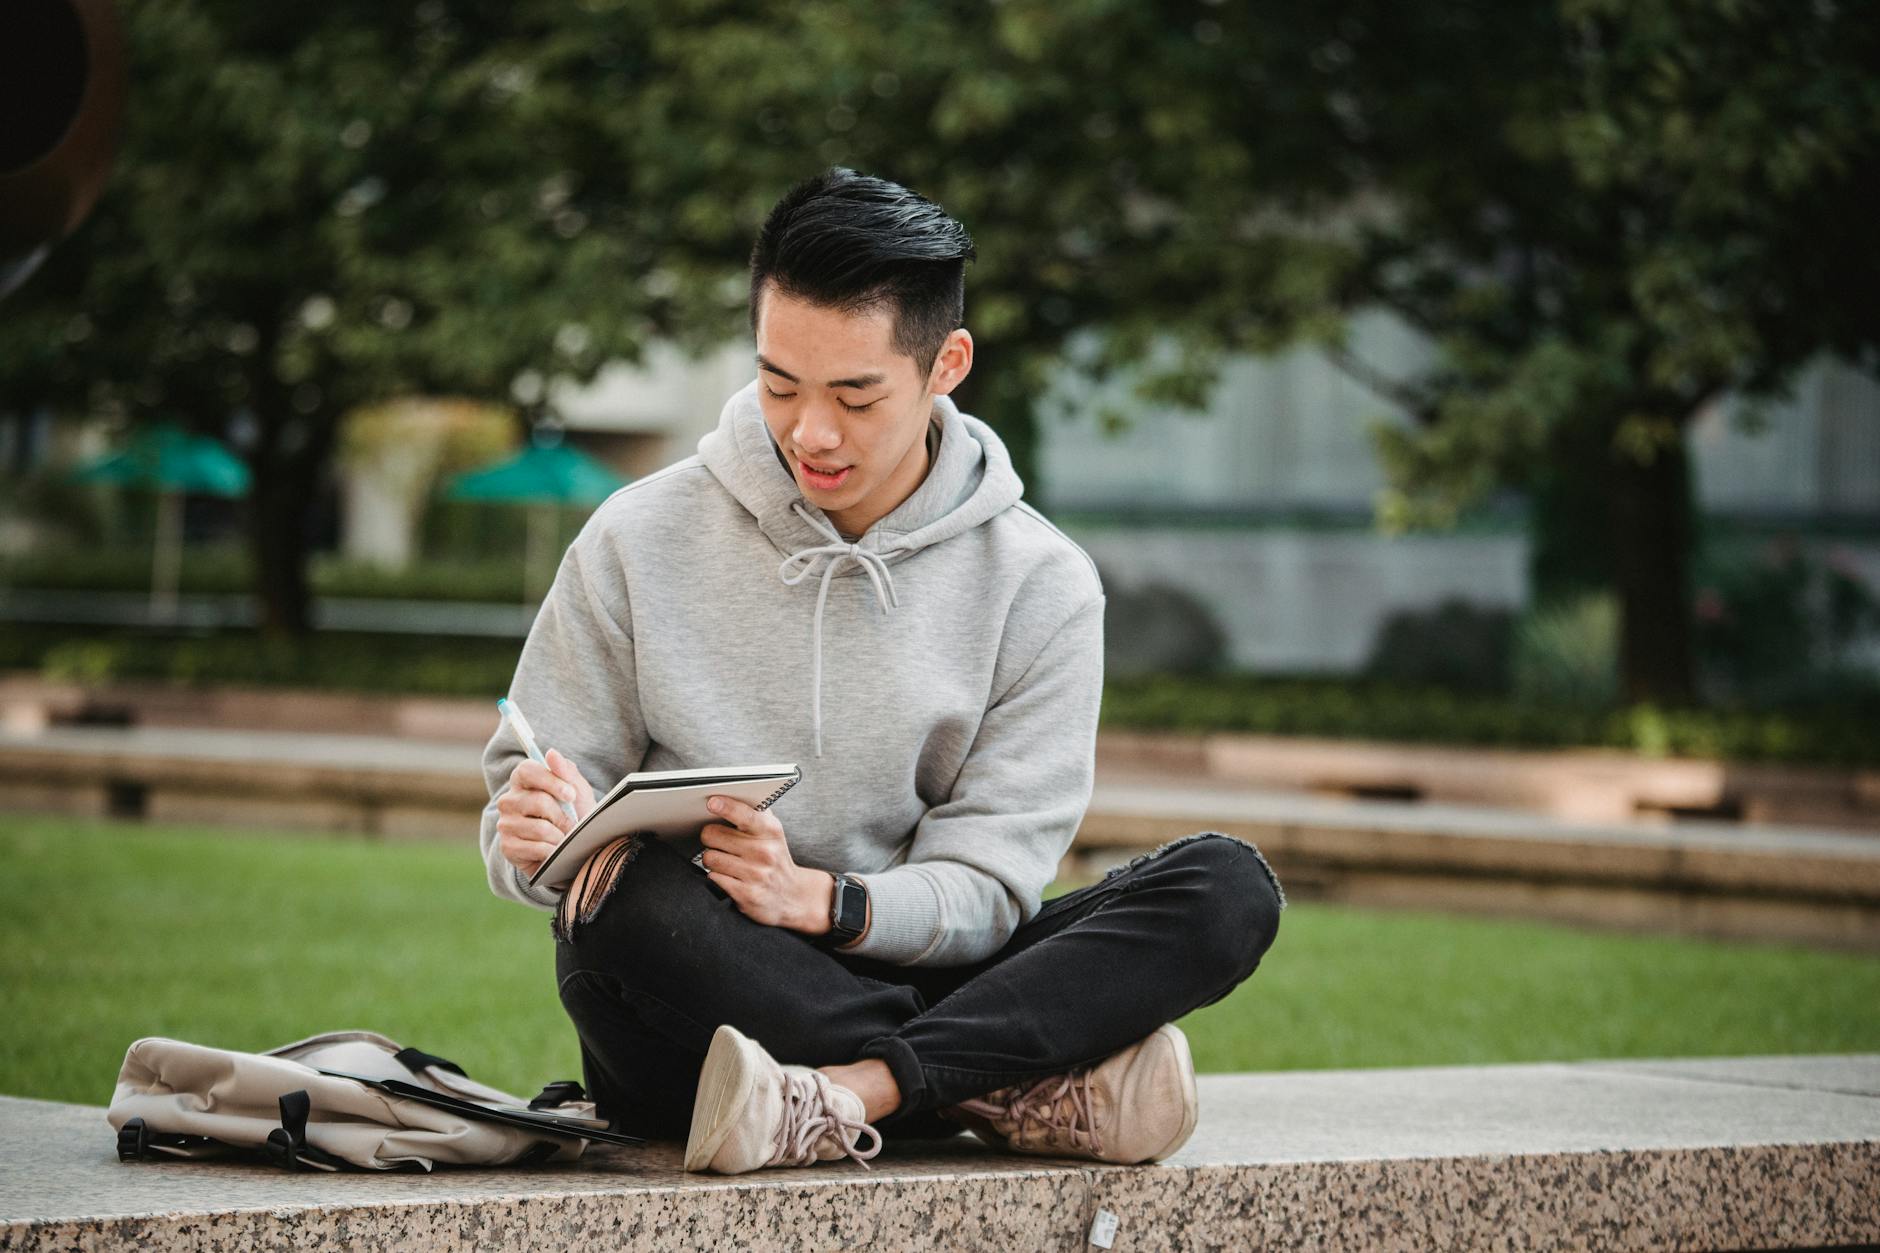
639	418
1246	531
1241	535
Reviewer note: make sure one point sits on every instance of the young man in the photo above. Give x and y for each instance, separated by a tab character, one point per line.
845	576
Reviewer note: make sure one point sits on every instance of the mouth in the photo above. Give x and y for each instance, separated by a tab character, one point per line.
826	478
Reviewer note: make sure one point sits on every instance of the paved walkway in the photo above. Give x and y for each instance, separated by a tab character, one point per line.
1733	1153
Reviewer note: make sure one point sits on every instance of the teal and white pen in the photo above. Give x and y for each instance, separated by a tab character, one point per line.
512	714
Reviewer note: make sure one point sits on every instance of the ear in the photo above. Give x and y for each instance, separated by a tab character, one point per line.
953	364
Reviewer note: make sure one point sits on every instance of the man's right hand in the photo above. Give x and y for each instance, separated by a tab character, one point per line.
530	820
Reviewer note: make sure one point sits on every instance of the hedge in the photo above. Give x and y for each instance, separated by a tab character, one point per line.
1841	735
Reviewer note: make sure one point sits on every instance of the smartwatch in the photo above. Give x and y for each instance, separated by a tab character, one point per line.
848	911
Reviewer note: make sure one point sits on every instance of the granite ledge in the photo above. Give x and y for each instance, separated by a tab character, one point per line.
1762	1153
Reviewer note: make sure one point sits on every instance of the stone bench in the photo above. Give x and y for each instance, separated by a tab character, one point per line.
1790	884
1580	785
1729	1153
1574	784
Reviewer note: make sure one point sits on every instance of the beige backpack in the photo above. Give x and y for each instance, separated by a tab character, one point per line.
346	1100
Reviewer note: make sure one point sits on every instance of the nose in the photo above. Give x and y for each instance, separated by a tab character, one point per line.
816	430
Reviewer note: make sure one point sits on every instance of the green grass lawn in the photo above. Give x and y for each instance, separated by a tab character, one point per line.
110	932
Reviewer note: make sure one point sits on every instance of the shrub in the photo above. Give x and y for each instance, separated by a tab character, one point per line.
1567	653
1848	734
1456	644
1157	628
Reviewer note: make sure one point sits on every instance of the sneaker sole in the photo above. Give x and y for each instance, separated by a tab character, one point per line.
1191	1098
725	1084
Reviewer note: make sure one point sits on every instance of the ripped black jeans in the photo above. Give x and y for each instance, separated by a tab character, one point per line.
666	957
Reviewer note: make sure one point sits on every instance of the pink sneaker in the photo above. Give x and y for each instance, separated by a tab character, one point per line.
752	1112
1137	1105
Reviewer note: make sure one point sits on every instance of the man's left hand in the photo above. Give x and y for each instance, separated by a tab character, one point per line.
748	856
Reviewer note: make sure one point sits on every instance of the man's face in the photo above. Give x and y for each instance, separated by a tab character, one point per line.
849	412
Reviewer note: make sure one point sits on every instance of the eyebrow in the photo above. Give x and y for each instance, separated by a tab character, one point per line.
859	381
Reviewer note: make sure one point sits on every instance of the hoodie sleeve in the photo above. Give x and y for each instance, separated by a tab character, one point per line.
979	862
577	685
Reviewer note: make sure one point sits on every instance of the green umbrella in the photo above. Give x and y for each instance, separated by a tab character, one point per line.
170	459
543	476
171	462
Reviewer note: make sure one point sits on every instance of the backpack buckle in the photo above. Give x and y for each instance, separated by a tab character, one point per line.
133	1140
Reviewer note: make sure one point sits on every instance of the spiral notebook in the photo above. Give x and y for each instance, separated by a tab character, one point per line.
665	803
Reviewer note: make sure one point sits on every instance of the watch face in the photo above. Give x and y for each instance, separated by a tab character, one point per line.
851	906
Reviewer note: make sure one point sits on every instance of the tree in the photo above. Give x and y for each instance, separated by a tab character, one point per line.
1603	213
1673	200
322	209
315	209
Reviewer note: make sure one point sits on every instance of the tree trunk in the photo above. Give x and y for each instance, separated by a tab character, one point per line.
280	503
166	560
1649	514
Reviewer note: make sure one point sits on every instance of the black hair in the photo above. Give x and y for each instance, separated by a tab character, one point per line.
851	242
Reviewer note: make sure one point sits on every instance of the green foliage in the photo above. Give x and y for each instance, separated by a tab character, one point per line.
417	664
1456	645
1775	623
126	568
1562	664
1666	200
1834	728
1566	652
1835	734
407	940
1602	213
375	200
208	569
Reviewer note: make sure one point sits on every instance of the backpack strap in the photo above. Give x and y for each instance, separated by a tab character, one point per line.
287	1142
415	1060
287	1145
559	1092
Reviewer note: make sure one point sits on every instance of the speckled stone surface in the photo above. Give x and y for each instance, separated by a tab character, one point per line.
1850	1072
1735	1153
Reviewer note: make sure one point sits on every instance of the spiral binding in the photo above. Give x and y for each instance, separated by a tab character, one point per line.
789	783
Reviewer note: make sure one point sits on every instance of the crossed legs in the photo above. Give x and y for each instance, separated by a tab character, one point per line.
652	958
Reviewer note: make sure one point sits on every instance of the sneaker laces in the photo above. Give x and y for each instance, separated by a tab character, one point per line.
809	1113
1059	1103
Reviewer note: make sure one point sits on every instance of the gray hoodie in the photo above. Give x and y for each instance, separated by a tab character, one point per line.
938	679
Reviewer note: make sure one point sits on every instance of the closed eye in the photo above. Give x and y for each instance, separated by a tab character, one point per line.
845	404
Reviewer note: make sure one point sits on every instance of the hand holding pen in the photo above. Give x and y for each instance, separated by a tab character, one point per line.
547	795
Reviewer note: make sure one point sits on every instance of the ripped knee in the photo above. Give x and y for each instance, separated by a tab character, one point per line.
592	885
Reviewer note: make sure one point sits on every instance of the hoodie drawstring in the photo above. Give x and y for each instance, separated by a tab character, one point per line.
832	555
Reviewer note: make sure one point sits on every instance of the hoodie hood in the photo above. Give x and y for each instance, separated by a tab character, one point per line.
969	481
